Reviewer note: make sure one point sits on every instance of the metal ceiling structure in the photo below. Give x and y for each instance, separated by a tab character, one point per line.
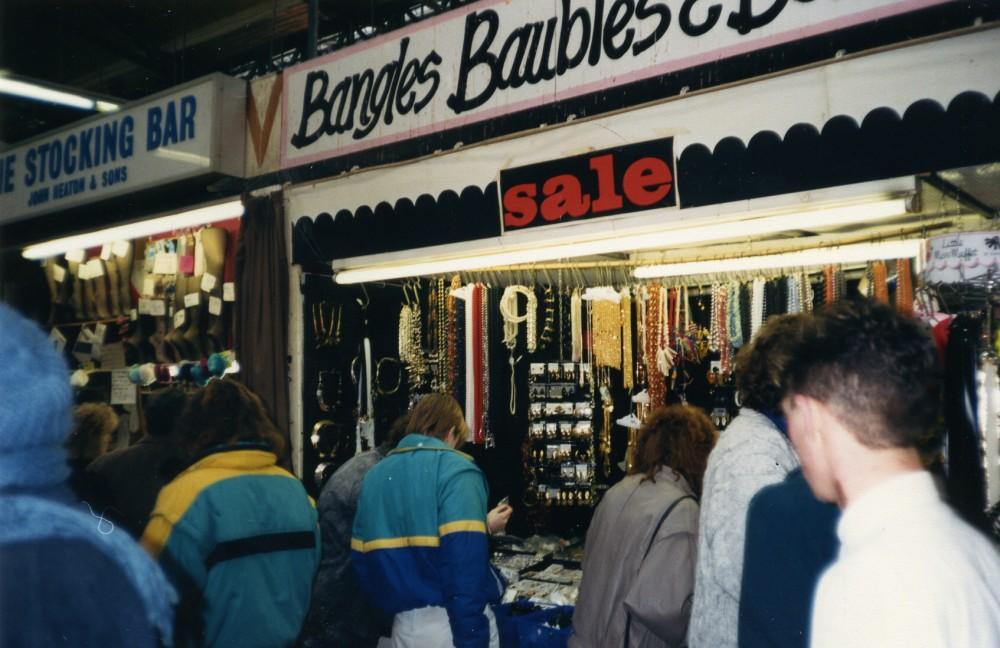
127	49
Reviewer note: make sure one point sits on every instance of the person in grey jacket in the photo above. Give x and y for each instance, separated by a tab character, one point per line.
339	614
638	564
753	452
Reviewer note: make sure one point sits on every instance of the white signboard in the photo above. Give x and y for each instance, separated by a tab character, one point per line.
122	389
171	137
496	57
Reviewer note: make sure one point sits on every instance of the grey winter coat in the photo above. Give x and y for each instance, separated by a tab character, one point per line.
658	590
751	453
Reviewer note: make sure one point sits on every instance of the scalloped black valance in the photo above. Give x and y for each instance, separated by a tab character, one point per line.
927	137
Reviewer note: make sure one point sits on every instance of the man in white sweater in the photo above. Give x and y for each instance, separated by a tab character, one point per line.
753	452
862	393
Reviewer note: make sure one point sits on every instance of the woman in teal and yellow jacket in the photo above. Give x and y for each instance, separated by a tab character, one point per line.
420	546
237	534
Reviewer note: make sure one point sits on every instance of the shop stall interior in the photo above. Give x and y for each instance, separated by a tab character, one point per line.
556	363
135	315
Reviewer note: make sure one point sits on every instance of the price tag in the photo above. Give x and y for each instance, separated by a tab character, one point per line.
229	291
76	256
208	282
165	263
96	268
143	308
58	340
192	299
157	307
58	273
83	272
122	389
185	264
149	286
133	314
120	248
106	251
179	318
214	305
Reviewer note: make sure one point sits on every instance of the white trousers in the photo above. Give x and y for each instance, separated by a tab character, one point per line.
428	628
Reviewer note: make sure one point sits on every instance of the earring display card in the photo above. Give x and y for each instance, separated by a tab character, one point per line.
560	434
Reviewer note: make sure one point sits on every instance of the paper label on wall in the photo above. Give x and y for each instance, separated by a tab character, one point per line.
58	273
76	256
113	356
165	263
208	282
122	389
58	340
106	251
149	286
214	305
179	318
95	268
152	307
120	248
157	307
229	291
192	299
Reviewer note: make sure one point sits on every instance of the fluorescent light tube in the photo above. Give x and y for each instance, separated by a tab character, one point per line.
137	230
859	253
40	93
750	227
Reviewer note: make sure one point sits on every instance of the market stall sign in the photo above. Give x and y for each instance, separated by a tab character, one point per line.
620	180
497	57
185	133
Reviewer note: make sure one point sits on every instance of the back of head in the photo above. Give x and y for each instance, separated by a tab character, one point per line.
397	431
35	405
678	436
435	415
162	411
93	425
875	369
224	413
761	365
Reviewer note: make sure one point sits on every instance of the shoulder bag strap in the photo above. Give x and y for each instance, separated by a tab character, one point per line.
649	547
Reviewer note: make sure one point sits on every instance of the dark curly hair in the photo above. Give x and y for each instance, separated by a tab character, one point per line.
761	365
678	436
226	412
874	368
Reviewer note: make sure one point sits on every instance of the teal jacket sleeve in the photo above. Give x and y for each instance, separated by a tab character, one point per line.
468	584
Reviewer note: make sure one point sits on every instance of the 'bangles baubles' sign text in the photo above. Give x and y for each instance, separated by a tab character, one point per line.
496	57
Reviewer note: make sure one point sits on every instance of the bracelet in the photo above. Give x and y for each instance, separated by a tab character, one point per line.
378	376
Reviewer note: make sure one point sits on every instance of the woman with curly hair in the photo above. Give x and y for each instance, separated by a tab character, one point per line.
638	563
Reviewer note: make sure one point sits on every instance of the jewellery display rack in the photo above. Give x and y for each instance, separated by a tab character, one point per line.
559	445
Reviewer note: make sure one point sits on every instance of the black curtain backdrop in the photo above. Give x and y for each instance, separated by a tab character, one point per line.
261	329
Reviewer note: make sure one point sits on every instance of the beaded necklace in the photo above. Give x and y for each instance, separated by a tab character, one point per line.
628	377
904	287
757	306
606	328
576	326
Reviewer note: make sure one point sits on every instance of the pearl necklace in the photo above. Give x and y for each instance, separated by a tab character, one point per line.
511	320
757	306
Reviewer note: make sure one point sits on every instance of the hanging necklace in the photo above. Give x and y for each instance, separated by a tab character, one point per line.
606	329
576	326
628	377
904	287
511	320
757	306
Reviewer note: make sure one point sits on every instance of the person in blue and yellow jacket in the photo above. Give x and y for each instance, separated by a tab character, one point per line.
237	534
419	545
